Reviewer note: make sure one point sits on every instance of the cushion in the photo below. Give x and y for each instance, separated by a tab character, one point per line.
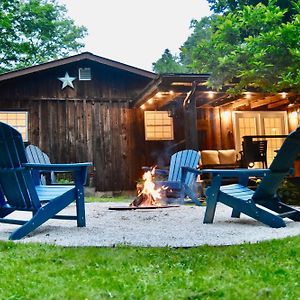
210	157
227	157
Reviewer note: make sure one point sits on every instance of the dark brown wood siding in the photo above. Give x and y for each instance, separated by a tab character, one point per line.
92	122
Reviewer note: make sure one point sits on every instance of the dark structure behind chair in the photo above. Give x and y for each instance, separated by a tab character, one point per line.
254	151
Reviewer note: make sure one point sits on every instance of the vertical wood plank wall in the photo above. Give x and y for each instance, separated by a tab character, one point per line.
78	131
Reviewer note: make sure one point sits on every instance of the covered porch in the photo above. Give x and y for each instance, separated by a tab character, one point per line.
206	119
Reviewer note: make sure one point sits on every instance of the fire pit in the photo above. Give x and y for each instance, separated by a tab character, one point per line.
148	196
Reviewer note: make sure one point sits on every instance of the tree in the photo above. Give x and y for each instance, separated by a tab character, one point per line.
255	46
168	63
202	32
36	31
221	6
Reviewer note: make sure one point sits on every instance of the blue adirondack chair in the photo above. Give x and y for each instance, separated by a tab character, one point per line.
19	191
263	204
37	156
174	184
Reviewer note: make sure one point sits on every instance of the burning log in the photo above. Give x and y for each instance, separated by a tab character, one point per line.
147	194
144	200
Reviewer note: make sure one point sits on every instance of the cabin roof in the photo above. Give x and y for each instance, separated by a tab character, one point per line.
77	58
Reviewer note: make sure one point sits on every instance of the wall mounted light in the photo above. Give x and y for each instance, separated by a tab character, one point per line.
283	95
248	95
172	109
211	94
226	115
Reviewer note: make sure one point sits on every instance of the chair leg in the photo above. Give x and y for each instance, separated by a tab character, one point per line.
80	210
211	201
211	205
236	213
191	194
45	213
282	208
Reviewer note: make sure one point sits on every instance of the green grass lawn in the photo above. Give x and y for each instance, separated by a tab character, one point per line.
268	270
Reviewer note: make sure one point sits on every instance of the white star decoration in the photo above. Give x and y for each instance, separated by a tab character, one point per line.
67	81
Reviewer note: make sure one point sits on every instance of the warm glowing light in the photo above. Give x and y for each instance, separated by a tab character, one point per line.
148	194
211	94
283	95
150	101
248	95
294	115
159	95
171	92
143	106
226	114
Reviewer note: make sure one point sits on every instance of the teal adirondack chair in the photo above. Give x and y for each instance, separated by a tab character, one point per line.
37	156
263	204
184	158
19	191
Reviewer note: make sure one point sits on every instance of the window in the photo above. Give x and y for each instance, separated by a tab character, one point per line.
17	119
158	126
261	123
85	74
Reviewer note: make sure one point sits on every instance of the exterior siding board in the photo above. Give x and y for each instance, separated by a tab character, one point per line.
92	122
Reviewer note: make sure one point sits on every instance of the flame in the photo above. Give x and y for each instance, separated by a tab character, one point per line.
149	195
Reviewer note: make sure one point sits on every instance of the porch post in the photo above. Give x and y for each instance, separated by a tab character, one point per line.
190	119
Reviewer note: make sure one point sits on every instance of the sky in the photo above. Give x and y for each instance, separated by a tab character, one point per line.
135	32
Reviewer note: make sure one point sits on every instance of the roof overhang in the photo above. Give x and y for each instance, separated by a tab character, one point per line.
166	88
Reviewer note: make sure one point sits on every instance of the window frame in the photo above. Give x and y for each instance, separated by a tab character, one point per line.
26	137
156	134
83	78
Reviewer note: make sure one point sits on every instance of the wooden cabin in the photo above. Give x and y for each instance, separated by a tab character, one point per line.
89	108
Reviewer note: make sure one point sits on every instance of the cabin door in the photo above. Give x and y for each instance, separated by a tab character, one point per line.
260	123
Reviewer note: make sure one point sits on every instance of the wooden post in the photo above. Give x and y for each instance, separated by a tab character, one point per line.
190	120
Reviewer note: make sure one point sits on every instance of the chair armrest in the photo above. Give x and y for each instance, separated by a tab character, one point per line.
237	172
79	169
56	167
192	170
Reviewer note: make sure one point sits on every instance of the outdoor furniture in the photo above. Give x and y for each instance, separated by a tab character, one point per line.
20	192
263	204
176	188
37	156
254	151
219	159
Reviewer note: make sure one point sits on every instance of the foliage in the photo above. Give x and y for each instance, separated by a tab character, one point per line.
202	32
35	31
250	46
268	270
221	6
289	191
168	63
253	45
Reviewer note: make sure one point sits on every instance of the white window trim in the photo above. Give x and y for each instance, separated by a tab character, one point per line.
84	79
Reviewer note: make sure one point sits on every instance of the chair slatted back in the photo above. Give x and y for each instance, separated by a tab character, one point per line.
280	166
185	158
15	182
36	155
